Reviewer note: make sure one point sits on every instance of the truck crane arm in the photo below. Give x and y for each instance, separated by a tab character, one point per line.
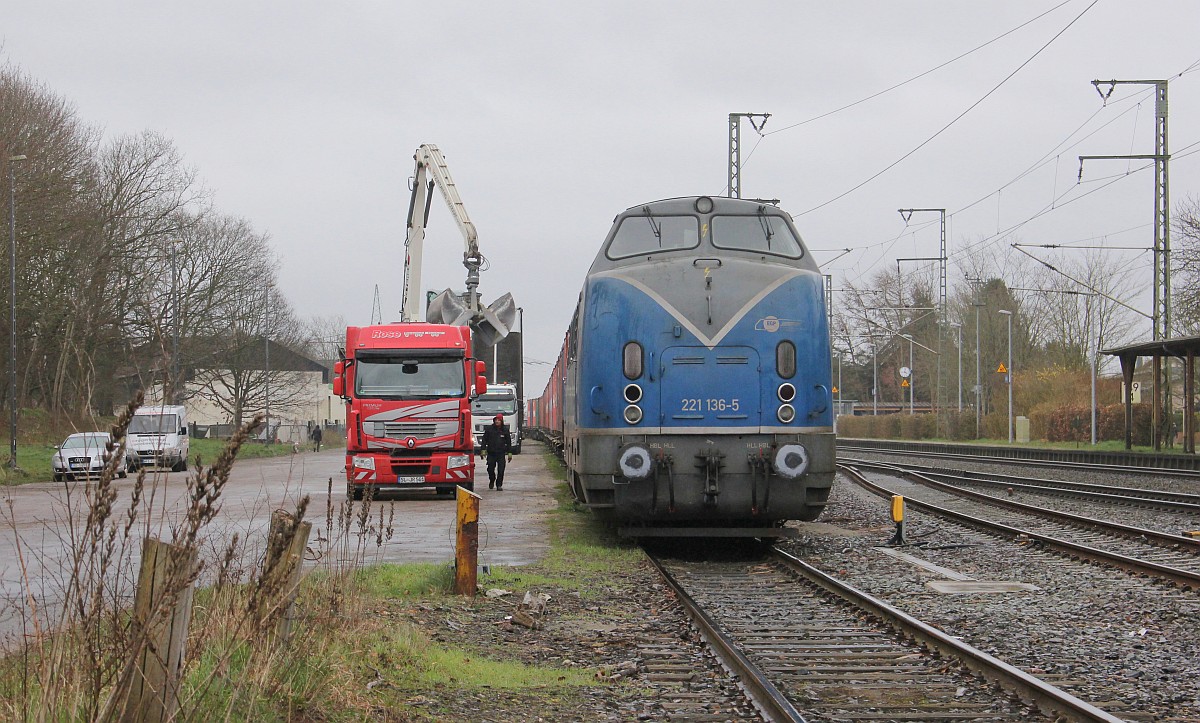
492	322
431	170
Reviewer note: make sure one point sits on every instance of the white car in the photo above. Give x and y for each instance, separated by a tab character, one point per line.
84	454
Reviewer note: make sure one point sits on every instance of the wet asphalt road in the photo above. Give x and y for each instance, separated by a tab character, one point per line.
36	520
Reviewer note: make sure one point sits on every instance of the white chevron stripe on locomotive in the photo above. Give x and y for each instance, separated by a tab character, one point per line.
712	342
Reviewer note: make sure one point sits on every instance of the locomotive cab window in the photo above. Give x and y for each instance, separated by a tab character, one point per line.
761	233
647	234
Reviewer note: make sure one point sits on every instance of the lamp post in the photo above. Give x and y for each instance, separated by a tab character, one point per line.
958	328
874	379
12	311
978	379
267	357
175	395
1008	376
912	385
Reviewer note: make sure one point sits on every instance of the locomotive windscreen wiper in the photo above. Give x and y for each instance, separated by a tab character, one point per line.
768	232
654	227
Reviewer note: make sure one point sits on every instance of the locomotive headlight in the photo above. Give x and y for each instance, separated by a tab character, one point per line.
633	414
786	413
633	393
634	462
786	392
791	461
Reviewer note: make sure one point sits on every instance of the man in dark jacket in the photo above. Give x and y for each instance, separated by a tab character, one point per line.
497	441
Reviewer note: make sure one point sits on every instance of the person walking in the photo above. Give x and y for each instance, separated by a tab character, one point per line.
497	445
316	437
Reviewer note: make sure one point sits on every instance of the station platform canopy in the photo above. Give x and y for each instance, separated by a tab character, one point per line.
1184	348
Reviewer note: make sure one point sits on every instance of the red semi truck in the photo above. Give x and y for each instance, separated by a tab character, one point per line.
408	389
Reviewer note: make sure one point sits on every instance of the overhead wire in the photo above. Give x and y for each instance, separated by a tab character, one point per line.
920	75
957	118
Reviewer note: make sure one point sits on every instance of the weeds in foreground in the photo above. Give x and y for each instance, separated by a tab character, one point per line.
77	657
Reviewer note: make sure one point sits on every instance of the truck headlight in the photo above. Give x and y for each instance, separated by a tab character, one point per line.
457	460
364	463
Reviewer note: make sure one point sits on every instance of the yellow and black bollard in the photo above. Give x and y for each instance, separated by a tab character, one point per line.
466	546
898	518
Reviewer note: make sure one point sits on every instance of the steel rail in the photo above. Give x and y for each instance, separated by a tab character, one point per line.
768	699
915	451
1185	578
1134	496
1032	690
1164	538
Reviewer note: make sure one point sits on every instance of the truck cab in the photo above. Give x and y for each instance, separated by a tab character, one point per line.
499	399
159	437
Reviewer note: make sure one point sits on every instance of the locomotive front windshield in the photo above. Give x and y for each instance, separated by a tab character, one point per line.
761	233
647	234
408	377
644	234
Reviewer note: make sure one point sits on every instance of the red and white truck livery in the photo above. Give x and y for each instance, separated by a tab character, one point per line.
408	389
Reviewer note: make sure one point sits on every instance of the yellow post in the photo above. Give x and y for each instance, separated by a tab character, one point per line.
466	547
898	518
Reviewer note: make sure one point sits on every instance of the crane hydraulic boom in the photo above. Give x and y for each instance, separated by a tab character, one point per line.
493	322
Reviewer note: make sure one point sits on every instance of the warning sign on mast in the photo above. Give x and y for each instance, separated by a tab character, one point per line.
1002	370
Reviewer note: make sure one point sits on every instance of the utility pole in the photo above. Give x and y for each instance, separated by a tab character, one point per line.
1162	240
376	309
12	310
176	397
906	213
735	147
267	356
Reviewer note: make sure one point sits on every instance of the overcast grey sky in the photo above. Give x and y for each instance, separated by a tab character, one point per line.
303	117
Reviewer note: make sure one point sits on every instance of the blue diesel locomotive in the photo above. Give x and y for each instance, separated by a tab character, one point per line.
692	392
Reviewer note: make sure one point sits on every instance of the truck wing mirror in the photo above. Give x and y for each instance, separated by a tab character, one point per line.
339	367
480	368
480	384
337	386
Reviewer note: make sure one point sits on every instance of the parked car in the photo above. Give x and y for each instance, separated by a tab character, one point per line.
83	454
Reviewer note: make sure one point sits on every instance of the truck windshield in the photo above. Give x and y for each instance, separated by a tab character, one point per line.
154	424
494	404
408	378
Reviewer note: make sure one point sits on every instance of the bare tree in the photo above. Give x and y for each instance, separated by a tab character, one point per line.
251	364
1186	267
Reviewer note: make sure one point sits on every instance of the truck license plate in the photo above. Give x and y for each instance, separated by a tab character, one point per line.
411	479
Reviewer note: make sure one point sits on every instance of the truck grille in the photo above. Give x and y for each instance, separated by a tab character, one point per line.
414	466
420	430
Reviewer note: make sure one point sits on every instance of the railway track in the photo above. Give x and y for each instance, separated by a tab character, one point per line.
1167	556
917	451
806	646
1170	501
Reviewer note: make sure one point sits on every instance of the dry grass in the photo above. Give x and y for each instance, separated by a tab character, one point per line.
76	659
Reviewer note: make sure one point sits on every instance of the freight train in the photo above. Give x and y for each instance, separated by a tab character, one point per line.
692	394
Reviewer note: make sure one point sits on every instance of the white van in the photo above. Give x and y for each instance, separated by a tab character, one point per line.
500	399
159	437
